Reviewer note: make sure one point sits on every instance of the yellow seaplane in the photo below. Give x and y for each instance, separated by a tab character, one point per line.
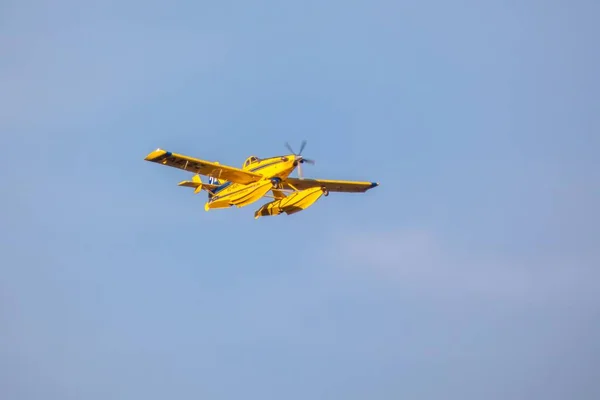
230	186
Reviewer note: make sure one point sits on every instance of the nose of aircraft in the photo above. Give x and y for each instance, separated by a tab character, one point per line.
298	158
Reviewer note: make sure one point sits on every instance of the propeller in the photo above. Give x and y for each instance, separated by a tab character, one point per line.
299	160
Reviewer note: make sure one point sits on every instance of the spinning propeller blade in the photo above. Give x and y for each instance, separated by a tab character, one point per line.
299	159
302	147
289	148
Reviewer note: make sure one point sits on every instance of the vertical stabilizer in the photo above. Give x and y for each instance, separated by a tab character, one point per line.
213	181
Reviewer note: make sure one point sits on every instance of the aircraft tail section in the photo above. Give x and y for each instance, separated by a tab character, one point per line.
197	184
213	181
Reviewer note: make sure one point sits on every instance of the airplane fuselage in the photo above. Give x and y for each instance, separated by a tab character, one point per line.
272	169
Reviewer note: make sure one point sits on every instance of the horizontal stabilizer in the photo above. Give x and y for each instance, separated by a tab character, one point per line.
198	186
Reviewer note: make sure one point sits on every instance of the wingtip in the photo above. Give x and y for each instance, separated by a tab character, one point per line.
157	154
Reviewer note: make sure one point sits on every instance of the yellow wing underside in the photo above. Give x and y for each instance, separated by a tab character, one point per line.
331	185
203	167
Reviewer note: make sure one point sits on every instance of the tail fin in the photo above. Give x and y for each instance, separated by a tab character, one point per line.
196	179
212	181
197	184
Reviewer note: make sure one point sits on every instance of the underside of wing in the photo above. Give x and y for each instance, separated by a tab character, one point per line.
202	167
331	185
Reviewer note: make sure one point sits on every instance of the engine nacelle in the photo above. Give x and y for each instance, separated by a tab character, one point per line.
291	204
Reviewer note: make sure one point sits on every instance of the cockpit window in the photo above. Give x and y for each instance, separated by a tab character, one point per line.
251	160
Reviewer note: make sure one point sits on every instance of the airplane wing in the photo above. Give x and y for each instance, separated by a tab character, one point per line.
202	167
331	185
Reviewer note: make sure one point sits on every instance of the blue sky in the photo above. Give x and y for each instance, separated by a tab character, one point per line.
471	272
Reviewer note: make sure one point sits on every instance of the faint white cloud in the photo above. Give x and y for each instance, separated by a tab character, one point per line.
424	262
